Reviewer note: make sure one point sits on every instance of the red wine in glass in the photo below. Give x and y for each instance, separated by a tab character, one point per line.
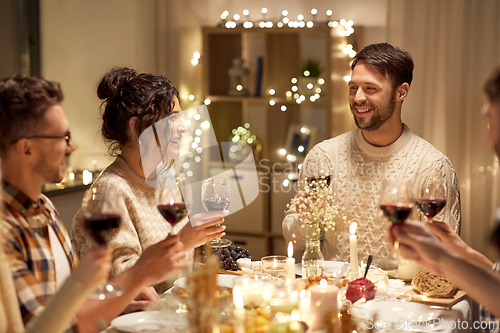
430	206
101	227
396	213
319	181
214	204
173	213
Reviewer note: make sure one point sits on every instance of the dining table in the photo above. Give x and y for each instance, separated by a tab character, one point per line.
399	301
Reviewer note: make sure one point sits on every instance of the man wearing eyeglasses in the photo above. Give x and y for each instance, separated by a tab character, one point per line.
35	143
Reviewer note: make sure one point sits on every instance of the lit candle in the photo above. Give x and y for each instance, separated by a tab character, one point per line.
324	304
274	265
290	264
353	242
239	311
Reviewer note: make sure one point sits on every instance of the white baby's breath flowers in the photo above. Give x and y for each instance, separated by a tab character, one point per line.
316	209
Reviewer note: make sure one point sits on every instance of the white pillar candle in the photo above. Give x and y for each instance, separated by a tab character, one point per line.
324	304
407	268
290	264
353	242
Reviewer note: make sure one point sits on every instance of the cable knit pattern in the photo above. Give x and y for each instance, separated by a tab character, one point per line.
358	171
141	226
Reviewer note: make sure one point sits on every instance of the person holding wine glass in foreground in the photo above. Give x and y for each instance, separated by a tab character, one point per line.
34	147
58	315
382	147
435	246
132	104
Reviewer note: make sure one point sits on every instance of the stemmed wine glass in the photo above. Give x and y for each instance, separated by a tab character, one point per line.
101	220
215	195
176	209
431	198
318	172
396	204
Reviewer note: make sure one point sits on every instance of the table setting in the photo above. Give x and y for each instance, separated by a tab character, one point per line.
248	301
228	291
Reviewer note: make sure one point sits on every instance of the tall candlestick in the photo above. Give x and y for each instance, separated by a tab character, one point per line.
290	264
353	242
239	310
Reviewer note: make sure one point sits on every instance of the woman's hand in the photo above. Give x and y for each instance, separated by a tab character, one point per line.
450	238
418	243
161	260
94	267
146	298
203	228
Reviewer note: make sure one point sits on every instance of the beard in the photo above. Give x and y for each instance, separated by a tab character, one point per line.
378	119
49	172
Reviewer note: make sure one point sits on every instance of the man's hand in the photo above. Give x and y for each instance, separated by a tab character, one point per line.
94	267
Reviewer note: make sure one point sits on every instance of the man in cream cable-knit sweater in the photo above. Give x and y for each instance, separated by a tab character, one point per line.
382	147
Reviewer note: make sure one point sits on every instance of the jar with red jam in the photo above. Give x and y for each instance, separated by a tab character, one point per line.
360	288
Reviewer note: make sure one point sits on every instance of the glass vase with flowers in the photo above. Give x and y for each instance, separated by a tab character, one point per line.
317	212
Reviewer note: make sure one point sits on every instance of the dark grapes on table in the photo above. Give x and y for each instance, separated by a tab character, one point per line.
229	255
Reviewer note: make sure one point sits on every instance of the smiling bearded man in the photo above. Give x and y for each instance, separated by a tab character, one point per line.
381	148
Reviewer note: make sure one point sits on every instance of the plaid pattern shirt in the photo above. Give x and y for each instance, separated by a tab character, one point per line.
33	266
485	315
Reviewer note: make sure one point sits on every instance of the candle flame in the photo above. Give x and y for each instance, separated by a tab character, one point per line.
290	249
295	315
352	228
275	263
323	283
237	297
172	201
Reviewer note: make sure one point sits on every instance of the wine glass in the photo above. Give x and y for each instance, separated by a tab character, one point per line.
431	198
176	209
318	171
395	201
101	220
215	195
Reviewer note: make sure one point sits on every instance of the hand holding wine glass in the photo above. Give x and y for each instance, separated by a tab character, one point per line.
216	196
431	194
102	225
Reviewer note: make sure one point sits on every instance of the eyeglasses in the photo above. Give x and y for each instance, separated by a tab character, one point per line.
66	137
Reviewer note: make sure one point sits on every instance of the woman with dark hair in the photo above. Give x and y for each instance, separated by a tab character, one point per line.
435	246
132	103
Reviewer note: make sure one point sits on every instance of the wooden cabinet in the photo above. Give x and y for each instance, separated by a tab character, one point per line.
272	117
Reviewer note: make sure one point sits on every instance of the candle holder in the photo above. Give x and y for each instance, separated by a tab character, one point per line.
274	265
257	291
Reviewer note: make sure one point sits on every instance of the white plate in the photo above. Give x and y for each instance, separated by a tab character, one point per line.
328	264
223	280
400	313
149	322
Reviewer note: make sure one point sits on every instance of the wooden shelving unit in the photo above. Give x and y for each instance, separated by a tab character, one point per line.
258	226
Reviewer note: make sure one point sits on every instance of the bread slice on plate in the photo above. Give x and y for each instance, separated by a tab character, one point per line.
432	285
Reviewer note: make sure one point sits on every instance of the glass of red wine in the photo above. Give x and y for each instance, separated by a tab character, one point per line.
101	221
173	212
215	195
318	172
431	194
395	201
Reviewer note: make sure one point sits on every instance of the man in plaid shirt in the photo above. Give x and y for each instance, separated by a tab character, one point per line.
34	145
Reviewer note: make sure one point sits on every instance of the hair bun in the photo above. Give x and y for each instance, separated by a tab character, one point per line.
112	83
